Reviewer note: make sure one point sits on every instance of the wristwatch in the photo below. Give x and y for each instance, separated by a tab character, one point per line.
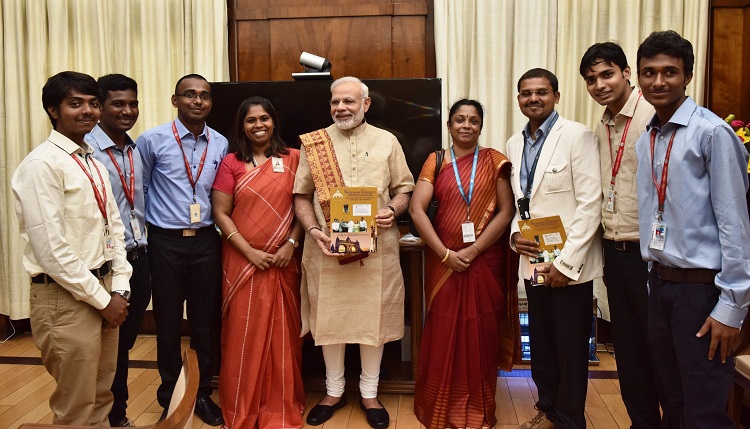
123	293
294	242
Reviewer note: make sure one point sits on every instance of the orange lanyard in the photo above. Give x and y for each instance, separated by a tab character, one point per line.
184	157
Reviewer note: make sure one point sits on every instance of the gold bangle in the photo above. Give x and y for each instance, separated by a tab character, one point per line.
447	253
232	233
476	247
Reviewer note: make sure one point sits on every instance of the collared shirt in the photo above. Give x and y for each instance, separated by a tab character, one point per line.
100	142
531	147
705	211
165	180
60	222
622	224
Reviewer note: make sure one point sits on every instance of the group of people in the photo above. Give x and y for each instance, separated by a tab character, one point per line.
191	219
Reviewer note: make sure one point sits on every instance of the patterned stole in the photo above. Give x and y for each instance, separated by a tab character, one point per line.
324	167
326	173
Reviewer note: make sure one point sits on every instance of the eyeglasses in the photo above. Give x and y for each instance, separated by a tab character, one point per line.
526	93
205	96
348	102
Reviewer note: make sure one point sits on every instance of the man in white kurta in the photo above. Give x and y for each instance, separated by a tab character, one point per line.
354	303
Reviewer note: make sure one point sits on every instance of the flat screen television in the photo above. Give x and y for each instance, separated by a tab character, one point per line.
408	108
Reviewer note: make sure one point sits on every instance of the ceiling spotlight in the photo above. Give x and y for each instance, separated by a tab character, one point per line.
315	67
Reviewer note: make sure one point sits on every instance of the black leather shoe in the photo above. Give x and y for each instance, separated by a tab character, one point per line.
377	417
322	413
208	411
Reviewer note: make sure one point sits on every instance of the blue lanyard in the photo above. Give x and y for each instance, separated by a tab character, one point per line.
532	170
471	181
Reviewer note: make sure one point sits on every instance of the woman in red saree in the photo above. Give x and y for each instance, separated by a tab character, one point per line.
260	383
471	328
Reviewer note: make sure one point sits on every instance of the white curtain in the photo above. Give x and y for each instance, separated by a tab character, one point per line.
482	47
153	41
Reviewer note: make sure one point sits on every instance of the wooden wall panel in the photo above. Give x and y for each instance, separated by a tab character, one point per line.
338	39
729	69
254	50
365	38
408	47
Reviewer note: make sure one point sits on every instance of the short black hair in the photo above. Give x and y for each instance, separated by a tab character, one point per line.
539	72
115	82
188	76
467	102
59	86
608	52
669	43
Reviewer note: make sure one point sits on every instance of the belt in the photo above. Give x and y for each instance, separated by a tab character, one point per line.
97	272
136	253
181	232
626	246
685	275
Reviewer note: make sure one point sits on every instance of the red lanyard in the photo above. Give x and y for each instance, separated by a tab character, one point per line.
621	149
662	186
129	191
101	199
187	164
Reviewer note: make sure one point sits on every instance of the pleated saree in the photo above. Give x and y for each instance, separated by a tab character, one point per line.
260	382
471	328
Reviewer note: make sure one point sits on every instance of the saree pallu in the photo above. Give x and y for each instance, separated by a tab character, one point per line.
260	383
472	326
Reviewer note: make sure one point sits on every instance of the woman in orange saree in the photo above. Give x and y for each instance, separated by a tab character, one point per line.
260	382
471	328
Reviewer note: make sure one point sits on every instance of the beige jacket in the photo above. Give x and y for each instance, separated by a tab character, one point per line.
567	183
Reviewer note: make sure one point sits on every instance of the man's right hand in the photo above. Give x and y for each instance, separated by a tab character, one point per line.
116	311
323	241
525	247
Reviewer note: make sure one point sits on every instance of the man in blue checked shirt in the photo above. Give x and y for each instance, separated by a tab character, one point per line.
115	149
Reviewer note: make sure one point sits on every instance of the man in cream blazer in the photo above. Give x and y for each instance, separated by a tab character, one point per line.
556	172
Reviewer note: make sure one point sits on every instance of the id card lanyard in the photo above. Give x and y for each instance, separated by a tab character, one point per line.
467	228
610	205
128	190
101	201
659	228
523	203
195	208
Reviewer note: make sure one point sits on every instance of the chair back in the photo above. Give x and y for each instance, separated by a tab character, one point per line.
182	405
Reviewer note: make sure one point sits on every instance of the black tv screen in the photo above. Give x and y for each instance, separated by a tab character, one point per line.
408	108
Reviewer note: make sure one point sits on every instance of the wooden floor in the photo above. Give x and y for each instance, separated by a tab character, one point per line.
25	388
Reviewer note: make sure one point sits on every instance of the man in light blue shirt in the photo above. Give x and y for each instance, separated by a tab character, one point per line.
112	146
180	161
695	234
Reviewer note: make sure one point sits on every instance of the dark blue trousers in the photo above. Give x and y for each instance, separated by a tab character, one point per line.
697	389
559	330
184	269
140	295
626	277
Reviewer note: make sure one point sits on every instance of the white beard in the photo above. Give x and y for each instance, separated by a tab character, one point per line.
355	120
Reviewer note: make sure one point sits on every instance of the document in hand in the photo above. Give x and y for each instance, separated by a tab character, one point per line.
353	226
549	232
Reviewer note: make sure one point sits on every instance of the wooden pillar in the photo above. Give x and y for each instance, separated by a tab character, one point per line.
729	59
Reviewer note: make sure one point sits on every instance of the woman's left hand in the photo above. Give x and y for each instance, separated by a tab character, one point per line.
282	258
467	254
